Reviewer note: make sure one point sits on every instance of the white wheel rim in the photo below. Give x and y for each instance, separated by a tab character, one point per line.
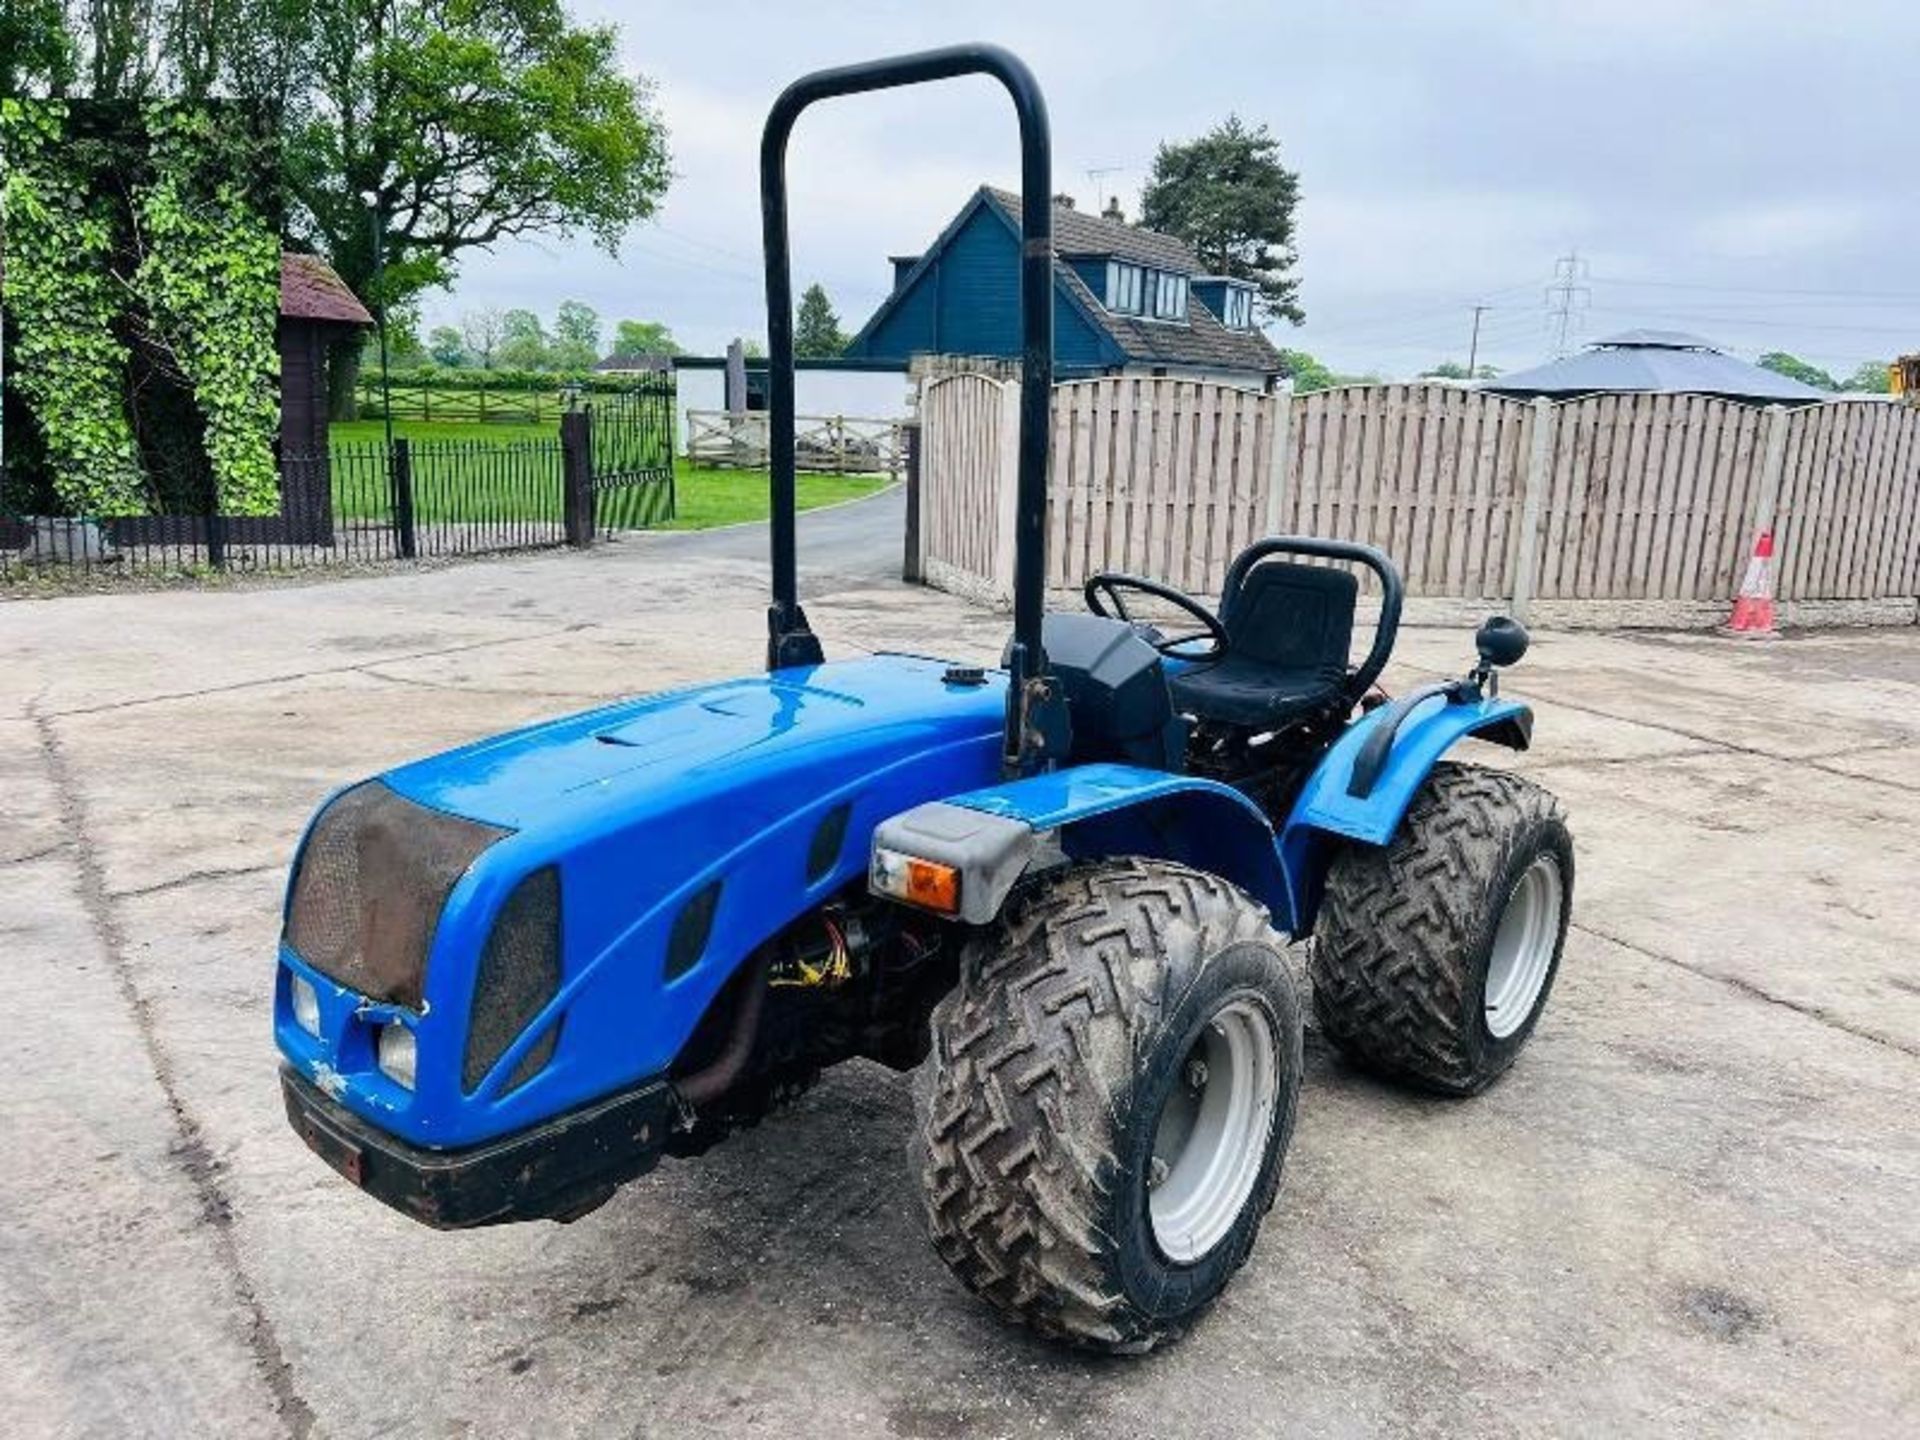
1211	1138
1523	947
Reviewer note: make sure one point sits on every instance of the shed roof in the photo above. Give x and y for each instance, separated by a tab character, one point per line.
310	290
1658	362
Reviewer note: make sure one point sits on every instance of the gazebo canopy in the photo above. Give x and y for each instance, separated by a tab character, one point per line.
1660	362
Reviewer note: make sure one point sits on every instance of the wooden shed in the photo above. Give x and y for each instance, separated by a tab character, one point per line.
316	310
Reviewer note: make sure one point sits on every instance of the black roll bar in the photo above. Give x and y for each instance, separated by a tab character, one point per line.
1035	712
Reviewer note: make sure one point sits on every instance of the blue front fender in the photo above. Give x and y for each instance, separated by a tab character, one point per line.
1100	810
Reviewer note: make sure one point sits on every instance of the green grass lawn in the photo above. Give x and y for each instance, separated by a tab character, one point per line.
494	474
726	497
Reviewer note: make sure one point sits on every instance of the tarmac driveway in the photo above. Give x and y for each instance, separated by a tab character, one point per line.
1693	1207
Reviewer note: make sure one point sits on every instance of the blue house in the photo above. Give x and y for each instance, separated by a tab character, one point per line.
1125	300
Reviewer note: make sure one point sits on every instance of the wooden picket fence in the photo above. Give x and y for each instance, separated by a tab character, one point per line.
1651	502
841	444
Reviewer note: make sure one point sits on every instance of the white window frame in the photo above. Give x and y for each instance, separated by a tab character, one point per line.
1124	281
1169	296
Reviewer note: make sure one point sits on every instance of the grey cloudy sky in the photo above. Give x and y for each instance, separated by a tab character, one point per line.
1749	171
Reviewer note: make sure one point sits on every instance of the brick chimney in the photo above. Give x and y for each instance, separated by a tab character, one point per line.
1113	211
1063	200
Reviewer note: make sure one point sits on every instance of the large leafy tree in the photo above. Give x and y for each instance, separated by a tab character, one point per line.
816	327
634	338
36	52
576	336
1309	374
1228	196
467	122
523	341
1794	368
1873	377
445	346
464	122
483	330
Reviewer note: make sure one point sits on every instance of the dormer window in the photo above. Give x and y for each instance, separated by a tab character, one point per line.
1136	290
1238	313
1169	294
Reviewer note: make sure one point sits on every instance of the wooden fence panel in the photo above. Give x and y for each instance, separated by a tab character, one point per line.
1652	498
1847	519
961	417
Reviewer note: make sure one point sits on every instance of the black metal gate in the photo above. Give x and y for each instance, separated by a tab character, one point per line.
632	448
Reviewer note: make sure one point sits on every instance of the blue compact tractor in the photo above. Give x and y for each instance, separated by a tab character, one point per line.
516	975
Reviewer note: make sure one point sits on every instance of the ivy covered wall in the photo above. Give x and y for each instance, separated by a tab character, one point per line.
141	292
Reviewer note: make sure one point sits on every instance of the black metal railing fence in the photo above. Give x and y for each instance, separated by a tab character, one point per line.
609	467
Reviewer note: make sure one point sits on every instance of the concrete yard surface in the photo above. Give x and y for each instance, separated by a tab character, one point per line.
1693	1206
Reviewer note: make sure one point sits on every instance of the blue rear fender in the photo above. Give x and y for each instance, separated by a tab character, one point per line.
1326	812
1102	809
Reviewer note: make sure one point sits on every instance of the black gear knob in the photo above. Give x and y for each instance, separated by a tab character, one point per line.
1501	640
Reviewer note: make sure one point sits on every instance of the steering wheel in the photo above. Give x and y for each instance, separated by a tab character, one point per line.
1109	585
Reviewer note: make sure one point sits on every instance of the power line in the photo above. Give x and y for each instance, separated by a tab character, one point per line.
1757	289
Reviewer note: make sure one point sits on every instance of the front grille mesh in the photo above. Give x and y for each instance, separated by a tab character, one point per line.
519	974
372	880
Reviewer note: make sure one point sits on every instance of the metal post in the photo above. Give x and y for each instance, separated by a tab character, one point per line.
910	560
380	313
576	477
402	460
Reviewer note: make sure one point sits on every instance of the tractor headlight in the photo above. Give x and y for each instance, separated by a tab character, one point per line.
306	1004
398	1051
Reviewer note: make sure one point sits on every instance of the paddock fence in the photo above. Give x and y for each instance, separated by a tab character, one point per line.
835	444
1613	509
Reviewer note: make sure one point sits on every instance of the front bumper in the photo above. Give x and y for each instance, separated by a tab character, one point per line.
555	1171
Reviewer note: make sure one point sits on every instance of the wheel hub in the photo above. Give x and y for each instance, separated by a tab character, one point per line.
1523	946
1211	1138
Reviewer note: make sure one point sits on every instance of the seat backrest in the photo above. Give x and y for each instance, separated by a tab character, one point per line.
1293	617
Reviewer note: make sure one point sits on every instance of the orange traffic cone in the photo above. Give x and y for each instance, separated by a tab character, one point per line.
1753	610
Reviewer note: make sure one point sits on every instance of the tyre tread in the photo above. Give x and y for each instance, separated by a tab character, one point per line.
1393	950
1034	1056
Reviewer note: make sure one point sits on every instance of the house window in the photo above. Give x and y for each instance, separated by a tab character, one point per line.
1169	293
1239	308
1123	288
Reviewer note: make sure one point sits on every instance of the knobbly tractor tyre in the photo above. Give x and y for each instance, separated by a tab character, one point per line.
1109	1097
1434	955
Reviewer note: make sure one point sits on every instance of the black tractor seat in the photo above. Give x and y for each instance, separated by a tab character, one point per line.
1290	627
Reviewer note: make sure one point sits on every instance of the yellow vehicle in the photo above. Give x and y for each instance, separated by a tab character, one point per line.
1905	373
